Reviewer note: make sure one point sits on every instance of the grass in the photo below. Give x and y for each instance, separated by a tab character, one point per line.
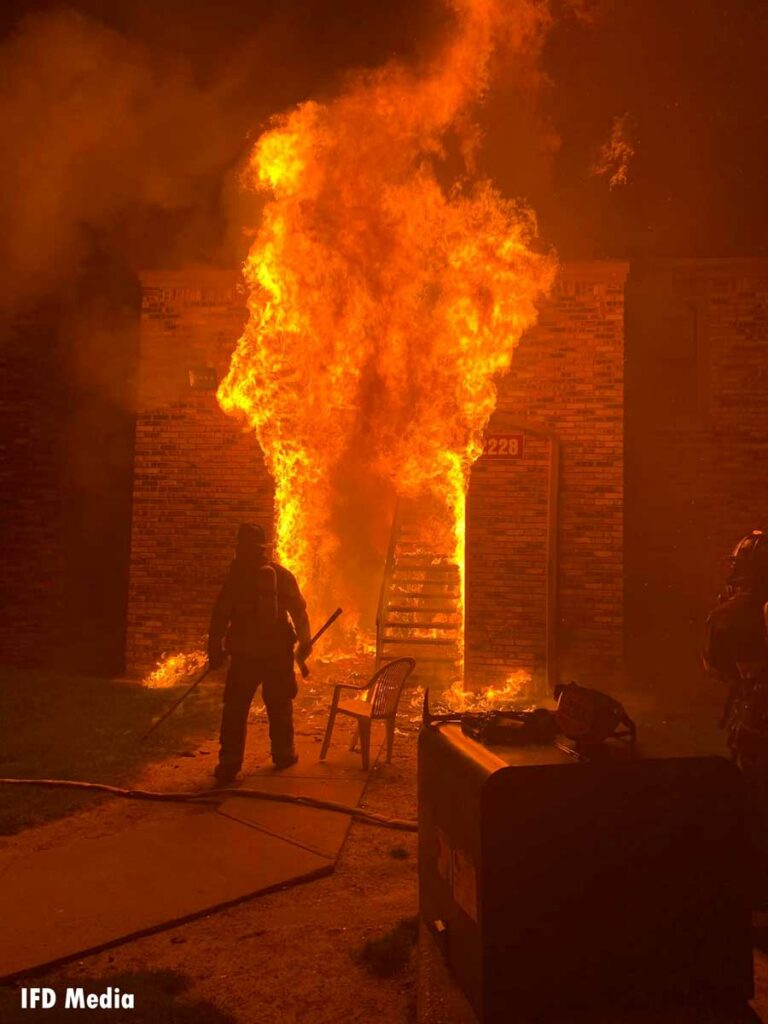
64	727
391	953
399	853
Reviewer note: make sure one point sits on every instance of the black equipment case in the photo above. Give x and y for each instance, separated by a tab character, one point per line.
552	883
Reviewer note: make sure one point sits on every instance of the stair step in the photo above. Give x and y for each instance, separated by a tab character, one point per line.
438	579
419	548
410	582
448	590
431	556
424	565
433	594
452	609
421	557
423	659
448	663
407	618
394	624
428	667
408	641
421	614
428	581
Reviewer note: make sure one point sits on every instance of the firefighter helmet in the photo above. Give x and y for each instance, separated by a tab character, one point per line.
749	560
251	543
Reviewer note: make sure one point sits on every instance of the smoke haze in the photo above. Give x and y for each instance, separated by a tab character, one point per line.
128	138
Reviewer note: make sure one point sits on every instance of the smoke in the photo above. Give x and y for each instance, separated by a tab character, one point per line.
103	147
127	137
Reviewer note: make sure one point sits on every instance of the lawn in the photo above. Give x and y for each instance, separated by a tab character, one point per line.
69	727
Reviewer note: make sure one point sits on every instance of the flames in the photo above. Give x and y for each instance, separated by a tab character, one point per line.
514	689
387	289
513	693
174	669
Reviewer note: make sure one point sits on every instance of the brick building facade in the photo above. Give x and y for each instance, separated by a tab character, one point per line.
197	474
66	463
696	450
644	410
31	479
545	532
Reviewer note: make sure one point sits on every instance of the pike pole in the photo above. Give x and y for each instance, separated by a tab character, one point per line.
302	667
176	703
326	625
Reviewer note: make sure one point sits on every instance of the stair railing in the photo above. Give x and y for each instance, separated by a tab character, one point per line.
386	580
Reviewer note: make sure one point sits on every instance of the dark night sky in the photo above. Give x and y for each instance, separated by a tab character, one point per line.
689	75
692	75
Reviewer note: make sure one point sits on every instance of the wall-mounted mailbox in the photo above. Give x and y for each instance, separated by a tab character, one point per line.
203	378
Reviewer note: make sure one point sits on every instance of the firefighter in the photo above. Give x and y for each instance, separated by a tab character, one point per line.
735	638
257	618
736	652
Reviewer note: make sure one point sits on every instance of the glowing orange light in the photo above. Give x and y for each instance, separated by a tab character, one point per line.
174	669
383	305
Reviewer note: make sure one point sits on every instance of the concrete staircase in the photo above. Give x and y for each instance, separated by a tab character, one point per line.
420	604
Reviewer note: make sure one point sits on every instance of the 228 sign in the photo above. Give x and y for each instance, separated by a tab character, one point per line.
503	446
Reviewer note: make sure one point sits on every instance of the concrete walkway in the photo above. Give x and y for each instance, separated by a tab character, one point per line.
179	862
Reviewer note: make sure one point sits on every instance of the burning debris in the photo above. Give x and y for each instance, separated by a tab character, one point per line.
174	669
616	154
512	693
387	291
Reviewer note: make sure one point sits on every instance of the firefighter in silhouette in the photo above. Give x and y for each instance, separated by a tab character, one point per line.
735	639
736	651
257	618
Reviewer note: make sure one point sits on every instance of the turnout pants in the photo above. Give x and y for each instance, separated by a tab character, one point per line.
276	676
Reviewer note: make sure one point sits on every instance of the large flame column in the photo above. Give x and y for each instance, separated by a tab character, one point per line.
383	305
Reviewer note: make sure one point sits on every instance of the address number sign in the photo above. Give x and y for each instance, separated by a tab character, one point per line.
503	446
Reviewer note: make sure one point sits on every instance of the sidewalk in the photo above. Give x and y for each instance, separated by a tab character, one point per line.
178	863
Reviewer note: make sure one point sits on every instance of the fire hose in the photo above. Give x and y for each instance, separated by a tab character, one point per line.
215	795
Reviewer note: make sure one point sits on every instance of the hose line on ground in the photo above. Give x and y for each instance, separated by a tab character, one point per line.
215	795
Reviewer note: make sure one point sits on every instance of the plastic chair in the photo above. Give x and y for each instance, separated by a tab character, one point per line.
378	702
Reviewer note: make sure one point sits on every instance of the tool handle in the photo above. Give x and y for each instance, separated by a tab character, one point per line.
326	625
176	703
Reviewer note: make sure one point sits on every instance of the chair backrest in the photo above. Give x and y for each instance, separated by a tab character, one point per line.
386	685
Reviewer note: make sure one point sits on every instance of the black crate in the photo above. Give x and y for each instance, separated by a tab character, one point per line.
553	884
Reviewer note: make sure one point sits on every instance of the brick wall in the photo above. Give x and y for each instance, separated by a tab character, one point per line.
696	450
566	381
31	526
66	461
197	473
